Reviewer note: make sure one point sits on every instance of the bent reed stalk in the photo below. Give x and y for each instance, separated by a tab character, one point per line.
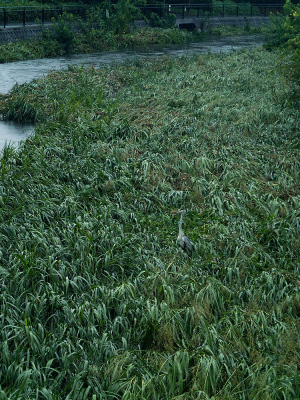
96	300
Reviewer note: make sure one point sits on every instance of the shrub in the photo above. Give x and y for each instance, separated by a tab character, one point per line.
61	34
121	15
275	31
291	47
284	34
166	22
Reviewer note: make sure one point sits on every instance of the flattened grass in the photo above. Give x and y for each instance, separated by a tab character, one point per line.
96	299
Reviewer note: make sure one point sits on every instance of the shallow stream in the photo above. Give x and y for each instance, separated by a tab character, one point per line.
25	71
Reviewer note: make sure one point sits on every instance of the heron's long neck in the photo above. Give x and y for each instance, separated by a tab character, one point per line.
180	223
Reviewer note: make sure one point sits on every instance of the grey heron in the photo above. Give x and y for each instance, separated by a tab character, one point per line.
182	240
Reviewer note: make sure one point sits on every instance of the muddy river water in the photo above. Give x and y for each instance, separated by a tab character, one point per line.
24	71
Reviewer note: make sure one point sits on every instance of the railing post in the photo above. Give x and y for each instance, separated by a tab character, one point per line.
43	15
237	10
182	12
24	16
223	11
265	10
4	17
251	12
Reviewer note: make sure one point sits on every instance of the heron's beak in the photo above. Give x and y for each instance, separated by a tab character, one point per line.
175	211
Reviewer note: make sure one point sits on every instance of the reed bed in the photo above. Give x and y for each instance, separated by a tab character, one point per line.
89	40
97	301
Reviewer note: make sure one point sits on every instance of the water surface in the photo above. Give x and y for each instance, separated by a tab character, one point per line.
12	132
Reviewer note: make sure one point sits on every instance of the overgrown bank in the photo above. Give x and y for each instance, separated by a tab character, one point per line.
94	41
98	32
51	44
96	300
105	27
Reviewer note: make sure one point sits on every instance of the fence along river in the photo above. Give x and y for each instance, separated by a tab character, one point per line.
25	71
28	15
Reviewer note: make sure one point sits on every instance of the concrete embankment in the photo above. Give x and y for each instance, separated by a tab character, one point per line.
203	24
14	33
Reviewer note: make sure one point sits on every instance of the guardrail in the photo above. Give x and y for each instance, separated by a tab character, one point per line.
10	16
211	10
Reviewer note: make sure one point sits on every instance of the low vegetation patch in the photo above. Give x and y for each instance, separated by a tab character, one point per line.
97	301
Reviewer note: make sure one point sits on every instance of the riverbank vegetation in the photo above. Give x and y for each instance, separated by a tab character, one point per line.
53	44
283	34
97	301
93	41
108	27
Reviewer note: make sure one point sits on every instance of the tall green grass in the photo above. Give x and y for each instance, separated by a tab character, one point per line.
97	301
91	40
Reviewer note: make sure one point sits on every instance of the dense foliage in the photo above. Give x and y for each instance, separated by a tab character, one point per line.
96	300
108	26
105	27
284	34
89	40
291	48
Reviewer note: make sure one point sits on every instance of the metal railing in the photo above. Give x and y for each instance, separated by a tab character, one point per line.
210	10
13	16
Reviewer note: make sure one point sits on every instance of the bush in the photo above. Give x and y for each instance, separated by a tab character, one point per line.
166	22
121	15
61	35
284	34
274	32
291	47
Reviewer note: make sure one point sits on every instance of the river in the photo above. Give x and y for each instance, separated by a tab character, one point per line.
25	71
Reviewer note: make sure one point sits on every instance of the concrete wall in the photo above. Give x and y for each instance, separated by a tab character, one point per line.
13	34
204	24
